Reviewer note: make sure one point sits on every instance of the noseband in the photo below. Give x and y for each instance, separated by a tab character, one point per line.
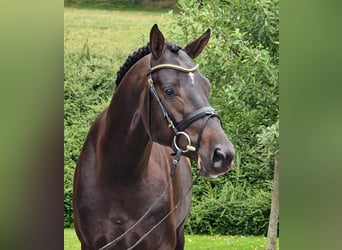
179	127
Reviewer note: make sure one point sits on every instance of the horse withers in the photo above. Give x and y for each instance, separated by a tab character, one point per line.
124	196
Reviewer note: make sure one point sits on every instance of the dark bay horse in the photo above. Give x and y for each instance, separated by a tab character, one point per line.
159	117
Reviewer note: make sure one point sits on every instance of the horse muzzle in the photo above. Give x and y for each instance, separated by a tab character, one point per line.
218	163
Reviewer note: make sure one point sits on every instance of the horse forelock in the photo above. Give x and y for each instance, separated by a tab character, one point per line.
136	56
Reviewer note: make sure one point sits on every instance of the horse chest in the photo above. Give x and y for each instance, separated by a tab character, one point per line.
126	210
127	207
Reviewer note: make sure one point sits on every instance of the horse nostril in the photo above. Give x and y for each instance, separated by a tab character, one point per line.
223	158
219	158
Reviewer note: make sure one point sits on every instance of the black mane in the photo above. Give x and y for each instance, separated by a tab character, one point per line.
136	56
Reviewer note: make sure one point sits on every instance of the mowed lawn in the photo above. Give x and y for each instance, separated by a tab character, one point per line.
193	242
110	33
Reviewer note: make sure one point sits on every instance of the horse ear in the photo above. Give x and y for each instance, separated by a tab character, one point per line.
195	48
156	42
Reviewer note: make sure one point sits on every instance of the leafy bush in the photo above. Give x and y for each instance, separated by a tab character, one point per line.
241	61
88	87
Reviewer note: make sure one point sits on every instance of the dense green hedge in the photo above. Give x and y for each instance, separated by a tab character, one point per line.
241	61
88	87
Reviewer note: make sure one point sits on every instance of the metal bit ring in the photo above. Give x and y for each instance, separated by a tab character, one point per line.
188	147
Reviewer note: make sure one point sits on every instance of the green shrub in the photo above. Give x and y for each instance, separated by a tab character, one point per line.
241	61
88	87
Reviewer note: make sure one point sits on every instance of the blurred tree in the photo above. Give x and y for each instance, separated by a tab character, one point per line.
273	222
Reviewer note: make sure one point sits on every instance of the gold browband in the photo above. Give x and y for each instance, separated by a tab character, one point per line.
171	66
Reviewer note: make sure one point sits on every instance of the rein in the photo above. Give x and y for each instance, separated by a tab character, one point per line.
116	240
178	130
165	217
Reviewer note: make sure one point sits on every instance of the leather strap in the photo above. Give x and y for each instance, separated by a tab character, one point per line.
194	116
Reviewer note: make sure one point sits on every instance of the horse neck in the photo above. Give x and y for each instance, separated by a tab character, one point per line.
126	144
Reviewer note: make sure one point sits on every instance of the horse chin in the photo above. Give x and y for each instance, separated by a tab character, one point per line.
208	174
206	170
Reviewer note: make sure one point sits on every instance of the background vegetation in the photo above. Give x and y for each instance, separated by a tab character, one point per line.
150	5
96	44
241	61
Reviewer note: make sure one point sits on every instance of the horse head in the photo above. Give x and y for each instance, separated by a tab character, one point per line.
179	93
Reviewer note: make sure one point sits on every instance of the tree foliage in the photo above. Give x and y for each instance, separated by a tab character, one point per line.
88	85
241	61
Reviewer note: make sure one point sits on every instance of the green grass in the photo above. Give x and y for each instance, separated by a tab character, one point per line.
112	30
130	5
110	33
193	242
71	241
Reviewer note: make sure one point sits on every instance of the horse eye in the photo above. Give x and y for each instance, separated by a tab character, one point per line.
169	92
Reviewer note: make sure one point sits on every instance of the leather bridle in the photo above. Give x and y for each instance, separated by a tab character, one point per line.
179	127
